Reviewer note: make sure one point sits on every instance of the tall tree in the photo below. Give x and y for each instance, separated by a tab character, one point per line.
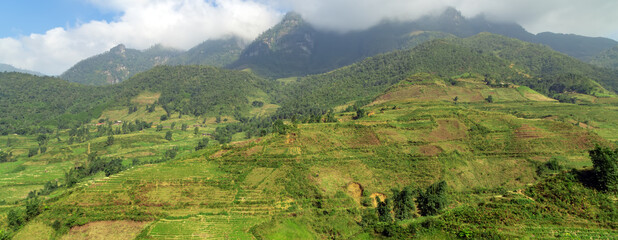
605	163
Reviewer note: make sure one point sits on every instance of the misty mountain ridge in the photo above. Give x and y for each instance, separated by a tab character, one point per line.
295	48
9	68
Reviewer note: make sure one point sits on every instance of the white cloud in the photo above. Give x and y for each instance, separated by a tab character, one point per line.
591	17
143	23
185	23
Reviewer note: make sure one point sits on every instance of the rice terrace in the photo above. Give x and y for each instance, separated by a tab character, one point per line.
444	126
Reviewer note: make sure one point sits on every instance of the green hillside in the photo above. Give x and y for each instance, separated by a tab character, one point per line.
42	104
454	138
498	60
318	180
117	65
28	101
218	53
607	59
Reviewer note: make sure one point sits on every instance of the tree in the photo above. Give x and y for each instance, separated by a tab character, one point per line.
456	99
433	199
183	127
490	99
403	203
42	149
4	157
280	127
330	117
33	208
42	139
605	162
384	210
112	167
14	218
163	117
110	140
159	127
196	131
33	151
203	143
173	126
360	113
168	136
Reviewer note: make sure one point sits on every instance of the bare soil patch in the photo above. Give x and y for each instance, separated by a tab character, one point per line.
106	230
379	195
355	190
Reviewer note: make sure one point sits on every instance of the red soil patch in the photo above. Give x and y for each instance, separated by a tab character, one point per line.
219	153
528	132
252	151
365	139
106	230
448	129
430	150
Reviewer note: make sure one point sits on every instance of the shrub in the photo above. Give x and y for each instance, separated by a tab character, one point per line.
605	163
433	199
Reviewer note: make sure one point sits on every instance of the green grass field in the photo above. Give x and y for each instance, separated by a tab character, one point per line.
310	182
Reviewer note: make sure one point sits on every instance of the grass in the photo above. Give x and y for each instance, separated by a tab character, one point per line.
296	185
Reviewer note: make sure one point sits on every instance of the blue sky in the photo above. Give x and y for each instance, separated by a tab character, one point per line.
24	17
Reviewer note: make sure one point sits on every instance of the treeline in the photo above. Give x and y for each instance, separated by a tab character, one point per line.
29	102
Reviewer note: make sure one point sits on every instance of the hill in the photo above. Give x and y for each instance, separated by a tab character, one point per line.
453	138
29	102
218	53
497	60
607	59
320	180
117	65
9	68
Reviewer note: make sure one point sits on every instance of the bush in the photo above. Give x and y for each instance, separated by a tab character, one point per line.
33	208
605	163
33	151
404	207
14	218
168	136
203	143
4	157
433	199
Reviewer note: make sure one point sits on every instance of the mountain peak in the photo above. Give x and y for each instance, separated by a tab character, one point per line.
451	14
292	16
120	49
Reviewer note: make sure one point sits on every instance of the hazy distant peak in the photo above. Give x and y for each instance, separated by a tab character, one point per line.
120	49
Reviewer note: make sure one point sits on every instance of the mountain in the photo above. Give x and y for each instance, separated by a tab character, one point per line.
495	59
580	47
218	53
117	65
9	68
295	48
607	59
452	138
